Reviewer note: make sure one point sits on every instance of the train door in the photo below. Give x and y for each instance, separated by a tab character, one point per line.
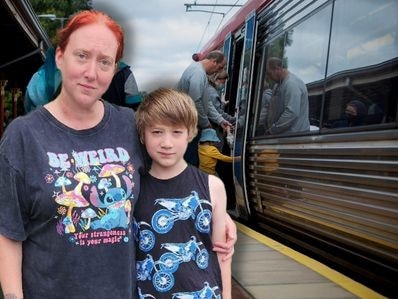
242	102
224	169
233	47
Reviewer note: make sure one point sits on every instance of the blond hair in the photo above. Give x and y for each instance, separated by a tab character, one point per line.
170	106
221	75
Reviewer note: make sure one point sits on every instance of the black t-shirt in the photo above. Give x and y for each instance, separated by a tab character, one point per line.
174	252
69	197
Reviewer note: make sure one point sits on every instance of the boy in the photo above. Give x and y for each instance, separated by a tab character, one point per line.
181	210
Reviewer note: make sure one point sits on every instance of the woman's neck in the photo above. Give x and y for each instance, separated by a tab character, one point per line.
76	118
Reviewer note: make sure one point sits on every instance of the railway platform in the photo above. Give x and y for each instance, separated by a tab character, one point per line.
265	269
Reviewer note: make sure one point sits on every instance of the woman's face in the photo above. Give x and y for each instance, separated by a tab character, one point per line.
88	64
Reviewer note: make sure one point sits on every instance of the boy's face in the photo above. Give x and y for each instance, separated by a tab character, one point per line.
166	144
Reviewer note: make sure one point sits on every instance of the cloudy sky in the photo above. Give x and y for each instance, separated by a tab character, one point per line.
161	36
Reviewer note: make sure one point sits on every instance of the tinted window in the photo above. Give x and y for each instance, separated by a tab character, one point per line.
361	76
303	51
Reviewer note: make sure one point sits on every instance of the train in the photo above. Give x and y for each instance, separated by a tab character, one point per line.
331	190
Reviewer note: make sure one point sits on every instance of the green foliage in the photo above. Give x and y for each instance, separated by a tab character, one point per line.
62	9
7	100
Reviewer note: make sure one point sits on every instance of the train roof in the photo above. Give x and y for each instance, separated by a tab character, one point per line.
236	22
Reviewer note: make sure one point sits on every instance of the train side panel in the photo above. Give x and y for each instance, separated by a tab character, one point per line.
334	185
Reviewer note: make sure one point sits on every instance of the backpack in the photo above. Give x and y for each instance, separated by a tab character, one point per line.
123	90
42	87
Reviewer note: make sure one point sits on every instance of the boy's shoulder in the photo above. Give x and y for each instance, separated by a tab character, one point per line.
215	181
217	191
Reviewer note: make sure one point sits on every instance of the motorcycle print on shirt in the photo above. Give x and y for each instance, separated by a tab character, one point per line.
160	271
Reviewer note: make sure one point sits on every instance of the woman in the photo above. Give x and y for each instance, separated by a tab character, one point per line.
69	179
216	84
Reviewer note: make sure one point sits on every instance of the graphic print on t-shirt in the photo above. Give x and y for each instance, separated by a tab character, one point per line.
164	260
94	193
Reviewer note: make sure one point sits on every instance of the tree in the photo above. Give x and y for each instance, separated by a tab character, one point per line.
62	9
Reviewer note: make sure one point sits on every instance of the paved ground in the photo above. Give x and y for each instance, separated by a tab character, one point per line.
238	292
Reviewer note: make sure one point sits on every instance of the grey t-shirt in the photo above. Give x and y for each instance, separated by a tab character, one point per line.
288	109
194	82
215	100
69	196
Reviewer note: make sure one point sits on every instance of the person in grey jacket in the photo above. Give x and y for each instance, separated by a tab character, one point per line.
194	82
216	84
288	108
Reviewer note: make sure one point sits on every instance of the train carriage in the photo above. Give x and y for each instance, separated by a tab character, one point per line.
332	189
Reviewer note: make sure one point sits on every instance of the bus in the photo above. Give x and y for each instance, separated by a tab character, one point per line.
333	187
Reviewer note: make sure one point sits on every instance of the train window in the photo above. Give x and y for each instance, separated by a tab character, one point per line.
288	12
361	85
302	51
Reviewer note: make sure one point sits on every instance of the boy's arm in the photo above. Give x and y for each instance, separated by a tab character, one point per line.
219	202
227	247
11	268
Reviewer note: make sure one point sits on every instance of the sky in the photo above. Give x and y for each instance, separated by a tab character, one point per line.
160	36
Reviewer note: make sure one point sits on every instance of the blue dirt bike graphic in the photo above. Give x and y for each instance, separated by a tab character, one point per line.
144	296
207	292
163	281
181	209
144	237
183	253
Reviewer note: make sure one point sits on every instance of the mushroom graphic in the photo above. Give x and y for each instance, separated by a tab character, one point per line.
127	208
88	213
62	182
112	170
82	178
71	200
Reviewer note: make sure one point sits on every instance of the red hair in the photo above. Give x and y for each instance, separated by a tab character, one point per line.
88	17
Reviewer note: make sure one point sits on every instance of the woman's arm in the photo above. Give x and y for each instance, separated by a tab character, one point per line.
11	268
219	202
